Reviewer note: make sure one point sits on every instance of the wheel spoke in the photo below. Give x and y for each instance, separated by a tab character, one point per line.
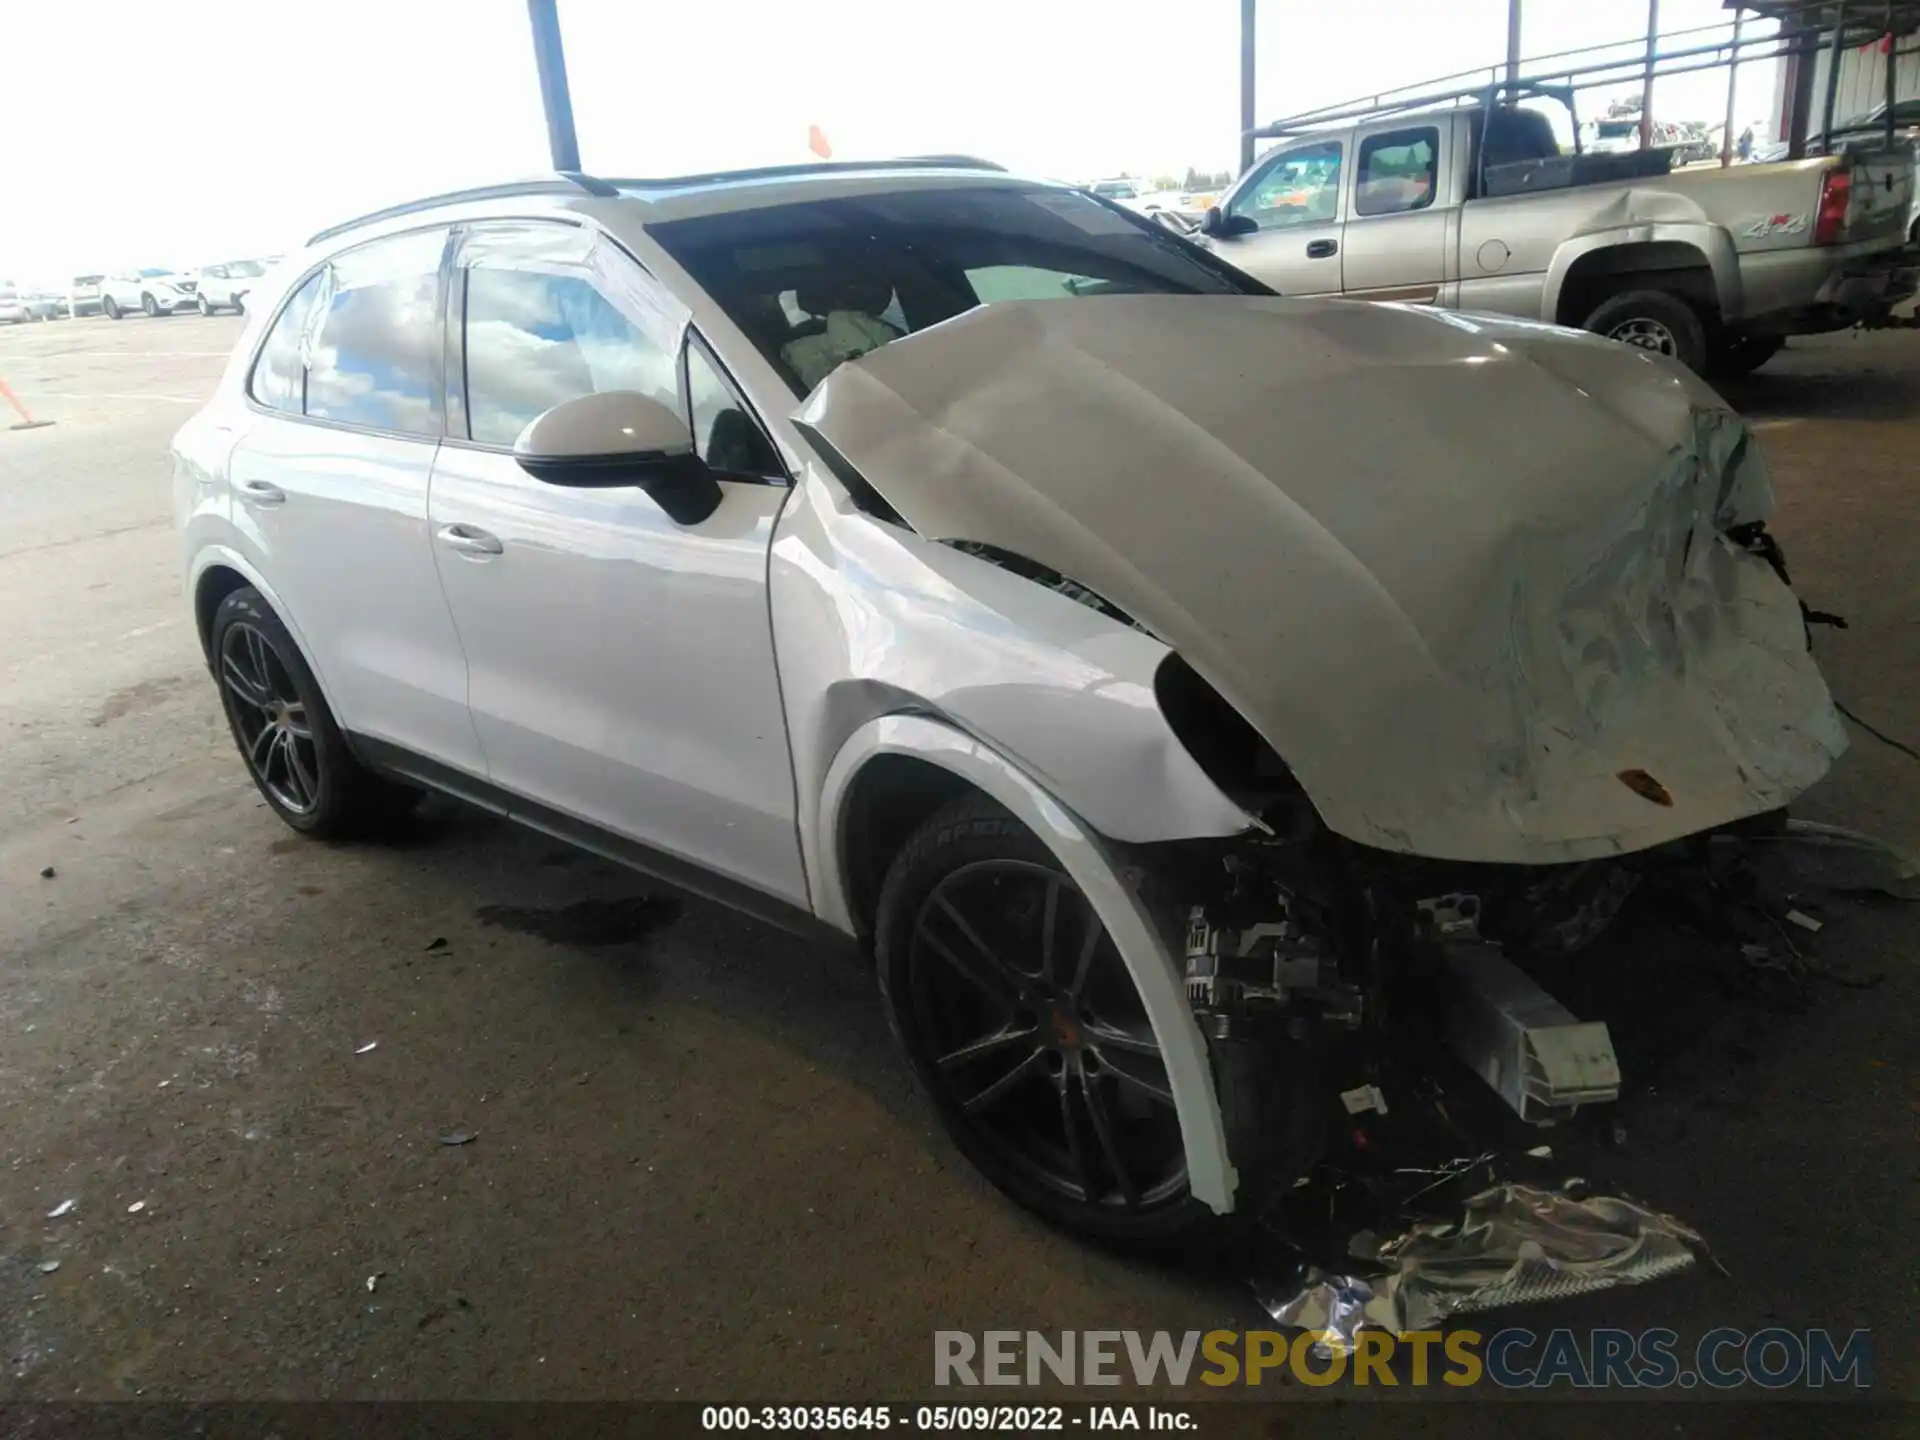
244	686
1144	1086
984	968
1048	918
1077	1147
1104	1035
257	654
1109	1143
296	719
1008	1034
1035	1059
1090	943
260	749
299	772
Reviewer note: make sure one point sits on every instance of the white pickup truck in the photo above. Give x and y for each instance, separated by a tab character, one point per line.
1477	208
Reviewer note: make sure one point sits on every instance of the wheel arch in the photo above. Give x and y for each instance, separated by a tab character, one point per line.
219	571
1695	261
937	762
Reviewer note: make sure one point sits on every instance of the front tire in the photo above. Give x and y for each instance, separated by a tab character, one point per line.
1023	1024
1736	355
149	306
204	307
1653	320
286	734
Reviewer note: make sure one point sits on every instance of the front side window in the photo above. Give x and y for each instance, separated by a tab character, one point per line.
724	434
280	373
375	355
1299	187
536	338
815	285
1398	171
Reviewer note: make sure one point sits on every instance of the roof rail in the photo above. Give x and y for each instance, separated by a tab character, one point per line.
565	182
815	167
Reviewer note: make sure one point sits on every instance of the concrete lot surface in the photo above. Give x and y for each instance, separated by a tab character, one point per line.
700	1170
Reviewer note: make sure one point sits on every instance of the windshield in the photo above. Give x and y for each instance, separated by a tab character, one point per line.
1614	129
244	269
150	273
1116	190
818	284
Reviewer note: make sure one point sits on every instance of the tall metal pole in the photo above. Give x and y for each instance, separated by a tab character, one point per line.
1834	39
1247	69
1646	83
551	61
1733	72
1889	58
1513	40
1800	92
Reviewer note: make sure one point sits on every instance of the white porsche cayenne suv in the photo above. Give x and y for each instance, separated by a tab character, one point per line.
960	565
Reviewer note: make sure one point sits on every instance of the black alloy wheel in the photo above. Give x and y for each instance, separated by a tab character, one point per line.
1024	1024
299	760
269	720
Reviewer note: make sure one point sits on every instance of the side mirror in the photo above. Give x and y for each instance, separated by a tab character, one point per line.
1222	226
621	437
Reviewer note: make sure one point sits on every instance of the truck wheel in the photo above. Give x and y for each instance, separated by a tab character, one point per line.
1653	320
1735	355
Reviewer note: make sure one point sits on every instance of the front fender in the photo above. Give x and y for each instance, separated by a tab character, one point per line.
1713	242
1156	973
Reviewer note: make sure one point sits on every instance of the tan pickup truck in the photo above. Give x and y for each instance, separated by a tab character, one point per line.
1478	209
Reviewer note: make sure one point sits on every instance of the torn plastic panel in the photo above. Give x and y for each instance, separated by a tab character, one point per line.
1459	577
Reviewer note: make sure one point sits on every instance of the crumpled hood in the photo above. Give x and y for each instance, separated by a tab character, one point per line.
1461	573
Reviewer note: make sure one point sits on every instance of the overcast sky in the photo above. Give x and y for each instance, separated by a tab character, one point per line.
202	129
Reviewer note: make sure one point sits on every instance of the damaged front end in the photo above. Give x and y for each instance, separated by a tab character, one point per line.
1476	622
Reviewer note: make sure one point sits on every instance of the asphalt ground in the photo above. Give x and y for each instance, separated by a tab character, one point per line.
700	1170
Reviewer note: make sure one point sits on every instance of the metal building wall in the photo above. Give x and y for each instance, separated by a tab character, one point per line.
1862	74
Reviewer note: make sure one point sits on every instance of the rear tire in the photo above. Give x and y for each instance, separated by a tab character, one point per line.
110	308
293	749
1032	1044
1653	320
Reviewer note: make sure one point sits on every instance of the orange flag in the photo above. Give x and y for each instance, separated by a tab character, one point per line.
817	142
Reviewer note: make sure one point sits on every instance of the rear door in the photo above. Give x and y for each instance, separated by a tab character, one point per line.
1395	241
1295	202
622	668
330	493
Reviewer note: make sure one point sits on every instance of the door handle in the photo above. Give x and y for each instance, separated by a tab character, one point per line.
469	541
1321	249
260	492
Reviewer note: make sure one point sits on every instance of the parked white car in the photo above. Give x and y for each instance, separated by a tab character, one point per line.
13	305
152	292
1143	672
85	294
225	286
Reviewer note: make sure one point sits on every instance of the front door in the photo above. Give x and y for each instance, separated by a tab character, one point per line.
1294	201
621	663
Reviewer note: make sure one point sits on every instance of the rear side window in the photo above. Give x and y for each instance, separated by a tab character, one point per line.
1398	172
279	374
536	338
375	356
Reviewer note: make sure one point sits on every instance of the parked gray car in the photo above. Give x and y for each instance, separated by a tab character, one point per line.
1480	211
